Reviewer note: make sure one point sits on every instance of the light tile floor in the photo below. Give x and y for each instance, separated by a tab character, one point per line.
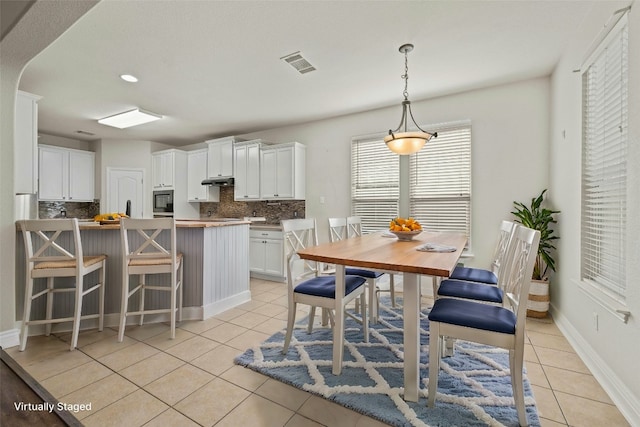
151	380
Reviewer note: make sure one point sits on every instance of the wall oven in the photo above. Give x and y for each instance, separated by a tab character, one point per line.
163	202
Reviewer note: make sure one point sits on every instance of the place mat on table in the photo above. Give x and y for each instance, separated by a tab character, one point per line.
435	247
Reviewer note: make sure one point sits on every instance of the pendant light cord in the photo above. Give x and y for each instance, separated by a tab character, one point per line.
405	76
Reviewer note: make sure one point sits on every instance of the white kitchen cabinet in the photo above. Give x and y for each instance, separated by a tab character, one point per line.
25	145
196	173
66	174
221	157
266	254
282	171
169	171
247	170
163	169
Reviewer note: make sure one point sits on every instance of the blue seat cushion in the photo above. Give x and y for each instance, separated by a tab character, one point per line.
362	273
473	315
470	290
474	275
325	286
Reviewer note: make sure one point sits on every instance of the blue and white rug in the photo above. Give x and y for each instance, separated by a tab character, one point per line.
474	386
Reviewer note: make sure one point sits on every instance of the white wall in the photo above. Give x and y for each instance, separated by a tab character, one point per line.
612	350
510	137
126	154
40	25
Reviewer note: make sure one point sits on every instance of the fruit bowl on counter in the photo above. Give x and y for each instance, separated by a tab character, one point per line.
109	218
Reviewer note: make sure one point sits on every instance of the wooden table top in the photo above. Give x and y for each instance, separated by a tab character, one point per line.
376	251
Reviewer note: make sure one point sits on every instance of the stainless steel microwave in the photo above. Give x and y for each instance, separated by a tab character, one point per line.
163	201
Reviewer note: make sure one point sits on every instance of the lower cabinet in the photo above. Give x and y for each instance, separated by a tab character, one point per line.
266	254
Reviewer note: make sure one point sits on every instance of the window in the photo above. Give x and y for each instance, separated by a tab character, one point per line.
375	183
604	164
440	181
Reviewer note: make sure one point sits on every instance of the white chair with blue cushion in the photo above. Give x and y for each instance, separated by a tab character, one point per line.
499	326
354	228
490	276
307	286
341	228
490	291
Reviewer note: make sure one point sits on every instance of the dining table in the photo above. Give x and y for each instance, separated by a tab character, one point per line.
383	251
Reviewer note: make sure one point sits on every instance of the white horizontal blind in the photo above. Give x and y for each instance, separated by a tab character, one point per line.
375	183
604	165
440	182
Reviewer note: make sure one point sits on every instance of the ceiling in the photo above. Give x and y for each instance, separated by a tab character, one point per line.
213	68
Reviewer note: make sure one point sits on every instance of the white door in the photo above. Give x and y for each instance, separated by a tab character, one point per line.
125	184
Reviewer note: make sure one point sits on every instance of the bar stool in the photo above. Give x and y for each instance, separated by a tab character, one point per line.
147	250
50	254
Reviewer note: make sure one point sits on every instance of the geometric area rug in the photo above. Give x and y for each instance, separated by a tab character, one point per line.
474	386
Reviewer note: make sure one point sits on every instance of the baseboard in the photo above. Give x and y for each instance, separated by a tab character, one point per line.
10	338
270	277
610	382
217	307
110	321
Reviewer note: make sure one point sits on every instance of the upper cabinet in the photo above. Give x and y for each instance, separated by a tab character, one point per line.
163	169
66	174
221	157
197	172
247	170
26	143
282	171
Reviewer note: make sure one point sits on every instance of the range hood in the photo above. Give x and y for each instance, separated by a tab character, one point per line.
218	182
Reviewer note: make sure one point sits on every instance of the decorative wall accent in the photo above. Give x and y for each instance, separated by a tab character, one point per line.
85	210
273	211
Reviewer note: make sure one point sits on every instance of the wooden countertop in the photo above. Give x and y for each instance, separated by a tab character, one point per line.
92	225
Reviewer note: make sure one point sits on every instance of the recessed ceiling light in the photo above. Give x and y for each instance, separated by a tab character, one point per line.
130	118
129	78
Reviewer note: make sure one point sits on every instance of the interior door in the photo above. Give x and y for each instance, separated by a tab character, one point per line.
125	184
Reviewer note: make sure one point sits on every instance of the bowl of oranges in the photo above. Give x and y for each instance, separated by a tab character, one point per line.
405	228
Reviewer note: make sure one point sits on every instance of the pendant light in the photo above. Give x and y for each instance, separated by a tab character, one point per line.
402	140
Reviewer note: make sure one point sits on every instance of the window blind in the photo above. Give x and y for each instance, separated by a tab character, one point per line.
440	182
375	181
604	165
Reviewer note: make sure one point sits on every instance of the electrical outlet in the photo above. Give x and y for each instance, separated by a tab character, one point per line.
595	321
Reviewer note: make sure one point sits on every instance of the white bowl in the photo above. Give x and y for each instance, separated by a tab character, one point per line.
406	235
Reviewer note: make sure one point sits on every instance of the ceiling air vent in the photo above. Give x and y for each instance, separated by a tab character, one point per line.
296	60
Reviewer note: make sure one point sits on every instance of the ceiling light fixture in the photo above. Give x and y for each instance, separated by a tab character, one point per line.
130	118
401	140
128	78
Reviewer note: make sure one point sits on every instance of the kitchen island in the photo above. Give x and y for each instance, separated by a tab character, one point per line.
216	271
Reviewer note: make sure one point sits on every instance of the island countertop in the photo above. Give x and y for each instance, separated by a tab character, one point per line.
180	223
216	268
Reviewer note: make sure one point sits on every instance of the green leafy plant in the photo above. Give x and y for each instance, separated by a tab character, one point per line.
539	218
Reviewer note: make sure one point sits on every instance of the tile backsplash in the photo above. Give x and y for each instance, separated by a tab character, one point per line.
68	209
273	211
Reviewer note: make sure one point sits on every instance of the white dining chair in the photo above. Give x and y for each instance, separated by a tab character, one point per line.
354	229
307	286
498	326
54	250
149	247
489	276
486	292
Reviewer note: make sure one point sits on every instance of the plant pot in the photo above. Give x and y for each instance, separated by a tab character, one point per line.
538	302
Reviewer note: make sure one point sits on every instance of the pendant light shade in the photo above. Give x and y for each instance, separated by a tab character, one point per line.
402	140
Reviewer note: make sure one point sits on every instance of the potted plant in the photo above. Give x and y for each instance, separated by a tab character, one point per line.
539	218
